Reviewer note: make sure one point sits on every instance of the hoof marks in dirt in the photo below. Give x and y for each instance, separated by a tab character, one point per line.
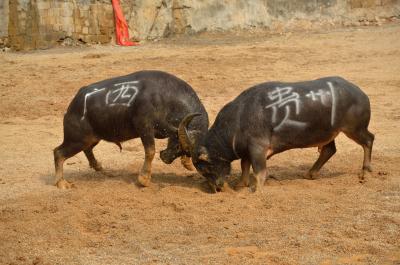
95	55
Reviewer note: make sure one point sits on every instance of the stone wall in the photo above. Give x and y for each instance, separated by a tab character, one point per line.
162	18
38	24
33	24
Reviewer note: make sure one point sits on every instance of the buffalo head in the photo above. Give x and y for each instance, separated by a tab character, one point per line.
209	165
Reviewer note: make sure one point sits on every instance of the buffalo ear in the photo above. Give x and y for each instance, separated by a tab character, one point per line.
203	154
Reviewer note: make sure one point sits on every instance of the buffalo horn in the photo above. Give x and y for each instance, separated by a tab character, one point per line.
184	139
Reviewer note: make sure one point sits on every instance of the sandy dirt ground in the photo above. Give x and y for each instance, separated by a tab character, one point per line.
107	219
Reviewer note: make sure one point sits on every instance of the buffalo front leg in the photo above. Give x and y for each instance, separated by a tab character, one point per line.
244	179
327	151
149	150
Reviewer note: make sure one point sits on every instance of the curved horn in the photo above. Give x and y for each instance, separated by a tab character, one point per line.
183	136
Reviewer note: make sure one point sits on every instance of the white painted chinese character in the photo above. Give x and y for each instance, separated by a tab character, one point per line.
282	97
94	91
123	95
327	98
322	95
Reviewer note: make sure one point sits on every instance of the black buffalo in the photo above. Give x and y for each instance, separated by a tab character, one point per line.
272	117
145	104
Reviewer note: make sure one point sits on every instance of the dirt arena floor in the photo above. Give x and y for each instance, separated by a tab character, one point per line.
107	219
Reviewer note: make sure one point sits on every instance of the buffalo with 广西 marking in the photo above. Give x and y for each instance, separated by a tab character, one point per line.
145	105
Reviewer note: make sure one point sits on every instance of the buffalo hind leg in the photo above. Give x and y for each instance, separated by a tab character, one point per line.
259	164
244	180
62	153
93	163
144	177
366	139
327	151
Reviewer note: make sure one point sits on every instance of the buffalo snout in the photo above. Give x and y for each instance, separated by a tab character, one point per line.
167	156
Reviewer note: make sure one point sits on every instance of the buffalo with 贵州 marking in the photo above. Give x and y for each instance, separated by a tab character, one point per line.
272	117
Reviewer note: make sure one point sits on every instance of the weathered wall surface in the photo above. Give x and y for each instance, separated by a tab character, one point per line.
40	24
3	21
161	18
32	24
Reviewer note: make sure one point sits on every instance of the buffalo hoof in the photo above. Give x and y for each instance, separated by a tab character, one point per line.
367	169
213	188
361	176
311	175
257	189
144	180
241	185
64	185
227	188
97	167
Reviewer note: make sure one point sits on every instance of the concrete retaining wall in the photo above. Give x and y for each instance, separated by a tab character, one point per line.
33	24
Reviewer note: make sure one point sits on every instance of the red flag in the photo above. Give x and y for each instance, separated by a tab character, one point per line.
121	27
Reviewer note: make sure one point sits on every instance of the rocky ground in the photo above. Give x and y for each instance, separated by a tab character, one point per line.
107	219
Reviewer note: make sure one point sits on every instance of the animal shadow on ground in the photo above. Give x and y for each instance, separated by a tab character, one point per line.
91	175
160	180
279	173
192	180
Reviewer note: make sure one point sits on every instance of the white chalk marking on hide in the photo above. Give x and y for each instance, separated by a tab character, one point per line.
120	90
287	121
107	96
126	83
294	123
86	98
274	110
282	96
133	96
311	95
321	95
333	95
123	93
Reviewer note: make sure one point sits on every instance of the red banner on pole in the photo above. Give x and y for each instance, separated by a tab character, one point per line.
121	27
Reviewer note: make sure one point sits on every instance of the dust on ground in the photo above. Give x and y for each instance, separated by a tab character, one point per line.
107	219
